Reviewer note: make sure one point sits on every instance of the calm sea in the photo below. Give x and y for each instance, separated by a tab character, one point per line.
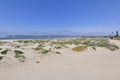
29	38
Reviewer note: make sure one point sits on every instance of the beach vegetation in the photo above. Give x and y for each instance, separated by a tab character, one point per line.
113	47
44	51
1	57
79	48
57	47
19	55
4	52
0	48
58	52
38	48
2	42
94	48
18	52
26	41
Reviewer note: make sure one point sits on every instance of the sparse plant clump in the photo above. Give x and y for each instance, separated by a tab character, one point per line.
94	48
100	43
38	48
1	42
0	48
26	41
20	41
42	50
41	41
18	52
17	46
4	52
57	52
45	51
60	44
37	61
19	55
1	57
113	47
41	45
57	47
79	48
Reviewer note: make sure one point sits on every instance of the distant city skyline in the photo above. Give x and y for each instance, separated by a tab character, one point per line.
59	16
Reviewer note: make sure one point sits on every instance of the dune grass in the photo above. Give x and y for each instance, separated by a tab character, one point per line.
18	52
90	42
39	47
2	42
1	57
94	48
58	52
79	48
58	47
44	51
101	43
4	52
0	48
113	47
19	55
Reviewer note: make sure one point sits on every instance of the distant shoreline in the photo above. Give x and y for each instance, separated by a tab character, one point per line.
36	37
33	38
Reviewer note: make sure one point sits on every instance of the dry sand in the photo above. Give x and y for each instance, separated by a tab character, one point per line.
101	64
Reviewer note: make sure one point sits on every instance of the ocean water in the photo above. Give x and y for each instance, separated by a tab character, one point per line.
36	38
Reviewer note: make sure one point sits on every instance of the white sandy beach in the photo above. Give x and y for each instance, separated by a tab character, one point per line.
99	64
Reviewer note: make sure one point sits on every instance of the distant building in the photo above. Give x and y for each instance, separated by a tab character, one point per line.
117	34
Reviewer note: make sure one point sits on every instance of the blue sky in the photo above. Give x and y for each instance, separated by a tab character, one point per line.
42	16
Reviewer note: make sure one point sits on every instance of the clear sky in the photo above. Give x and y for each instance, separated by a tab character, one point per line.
37	16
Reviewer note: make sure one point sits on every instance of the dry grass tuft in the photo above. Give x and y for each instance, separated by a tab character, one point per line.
80	48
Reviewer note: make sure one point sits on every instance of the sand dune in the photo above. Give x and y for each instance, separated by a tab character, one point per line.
99	64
